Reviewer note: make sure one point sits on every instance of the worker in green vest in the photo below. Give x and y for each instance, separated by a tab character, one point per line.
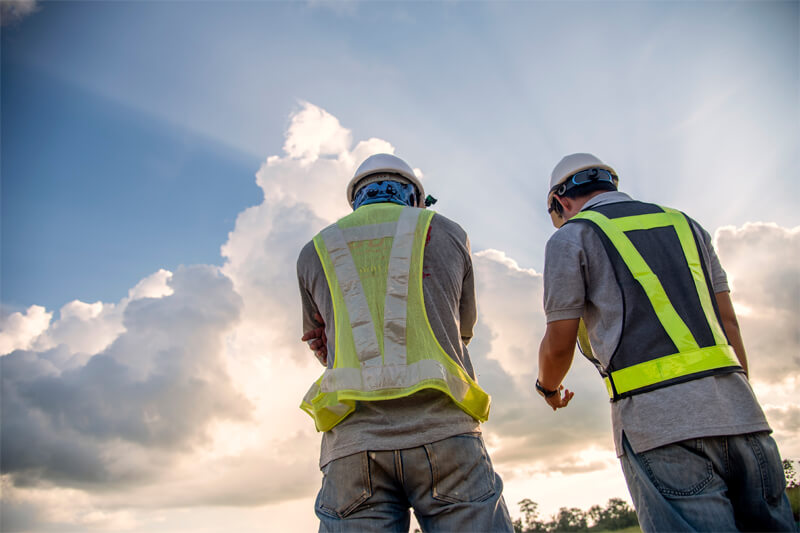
389	303
641	290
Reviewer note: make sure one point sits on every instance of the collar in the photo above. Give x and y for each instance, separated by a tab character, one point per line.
610	197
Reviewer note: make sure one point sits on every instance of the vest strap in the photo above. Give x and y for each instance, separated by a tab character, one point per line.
366	342
673	324
397	284
669	367
370	232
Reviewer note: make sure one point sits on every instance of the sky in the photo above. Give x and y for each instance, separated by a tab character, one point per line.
162	164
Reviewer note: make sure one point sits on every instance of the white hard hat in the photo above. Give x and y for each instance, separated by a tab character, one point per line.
383	164
568	167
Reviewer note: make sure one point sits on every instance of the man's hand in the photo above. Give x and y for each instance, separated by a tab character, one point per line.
317	341
557	401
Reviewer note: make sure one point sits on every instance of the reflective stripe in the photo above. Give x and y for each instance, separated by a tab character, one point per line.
370	232
692	255
366	342
397	282
670	367
333	396
649	221
673	324
391	377
586	347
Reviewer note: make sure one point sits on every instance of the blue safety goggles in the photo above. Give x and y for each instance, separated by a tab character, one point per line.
582	178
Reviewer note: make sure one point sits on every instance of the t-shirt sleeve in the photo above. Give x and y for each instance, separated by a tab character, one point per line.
305	263
564	284
719	279
468	310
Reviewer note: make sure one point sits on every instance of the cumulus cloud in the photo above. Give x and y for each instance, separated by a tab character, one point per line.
132	408
304	190
505	353
19	330
763	263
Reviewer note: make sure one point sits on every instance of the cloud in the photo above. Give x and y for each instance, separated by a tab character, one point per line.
786	418
763	263
13	11
304	190
505	355
19	330
129	410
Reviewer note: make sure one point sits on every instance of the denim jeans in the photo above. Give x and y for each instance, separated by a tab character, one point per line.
450	484
730	483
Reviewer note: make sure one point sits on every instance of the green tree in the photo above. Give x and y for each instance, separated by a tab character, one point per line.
617	514
790	474
569	519
530	511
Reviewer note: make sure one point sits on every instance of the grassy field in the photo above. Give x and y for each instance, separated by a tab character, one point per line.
794	499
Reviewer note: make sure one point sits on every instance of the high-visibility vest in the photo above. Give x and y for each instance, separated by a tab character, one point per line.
671	330
384	346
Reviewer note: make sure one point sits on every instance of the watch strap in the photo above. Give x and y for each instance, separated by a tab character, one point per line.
546	392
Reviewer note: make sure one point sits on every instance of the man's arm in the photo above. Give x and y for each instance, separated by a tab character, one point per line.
468	310
555	358
731	326
313	324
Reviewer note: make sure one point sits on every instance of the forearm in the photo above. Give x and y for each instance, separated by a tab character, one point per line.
556	352
553	366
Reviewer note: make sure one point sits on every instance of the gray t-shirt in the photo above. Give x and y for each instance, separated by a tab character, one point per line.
428	416
579	282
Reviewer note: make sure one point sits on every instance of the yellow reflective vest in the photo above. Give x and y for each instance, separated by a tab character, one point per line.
671	330
384	346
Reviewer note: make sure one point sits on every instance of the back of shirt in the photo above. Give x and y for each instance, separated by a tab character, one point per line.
427	416
579	281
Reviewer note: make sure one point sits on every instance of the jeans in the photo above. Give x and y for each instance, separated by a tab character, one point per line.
730	483
450	484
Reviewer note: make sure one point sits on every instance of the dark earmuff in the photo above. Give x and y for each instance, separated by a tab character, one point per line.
555	206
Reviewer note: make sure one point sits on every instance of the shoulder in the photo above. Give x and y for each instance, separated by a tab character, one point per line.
573	234
442	228
697	228
308	260
445	225
307	254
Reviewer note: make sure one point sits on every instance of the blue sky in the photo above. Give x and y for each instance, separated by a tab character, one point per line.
163	162
128	105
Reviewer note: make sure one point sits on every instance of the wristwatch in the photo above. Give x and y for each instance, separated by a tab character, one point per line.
544	392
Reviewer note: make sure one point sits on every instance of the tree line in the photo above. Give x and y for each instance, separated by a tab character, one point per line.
617	514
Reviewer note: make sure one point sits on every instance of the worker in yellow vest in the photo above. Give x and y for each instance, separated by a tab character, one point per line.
641	289
389	301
